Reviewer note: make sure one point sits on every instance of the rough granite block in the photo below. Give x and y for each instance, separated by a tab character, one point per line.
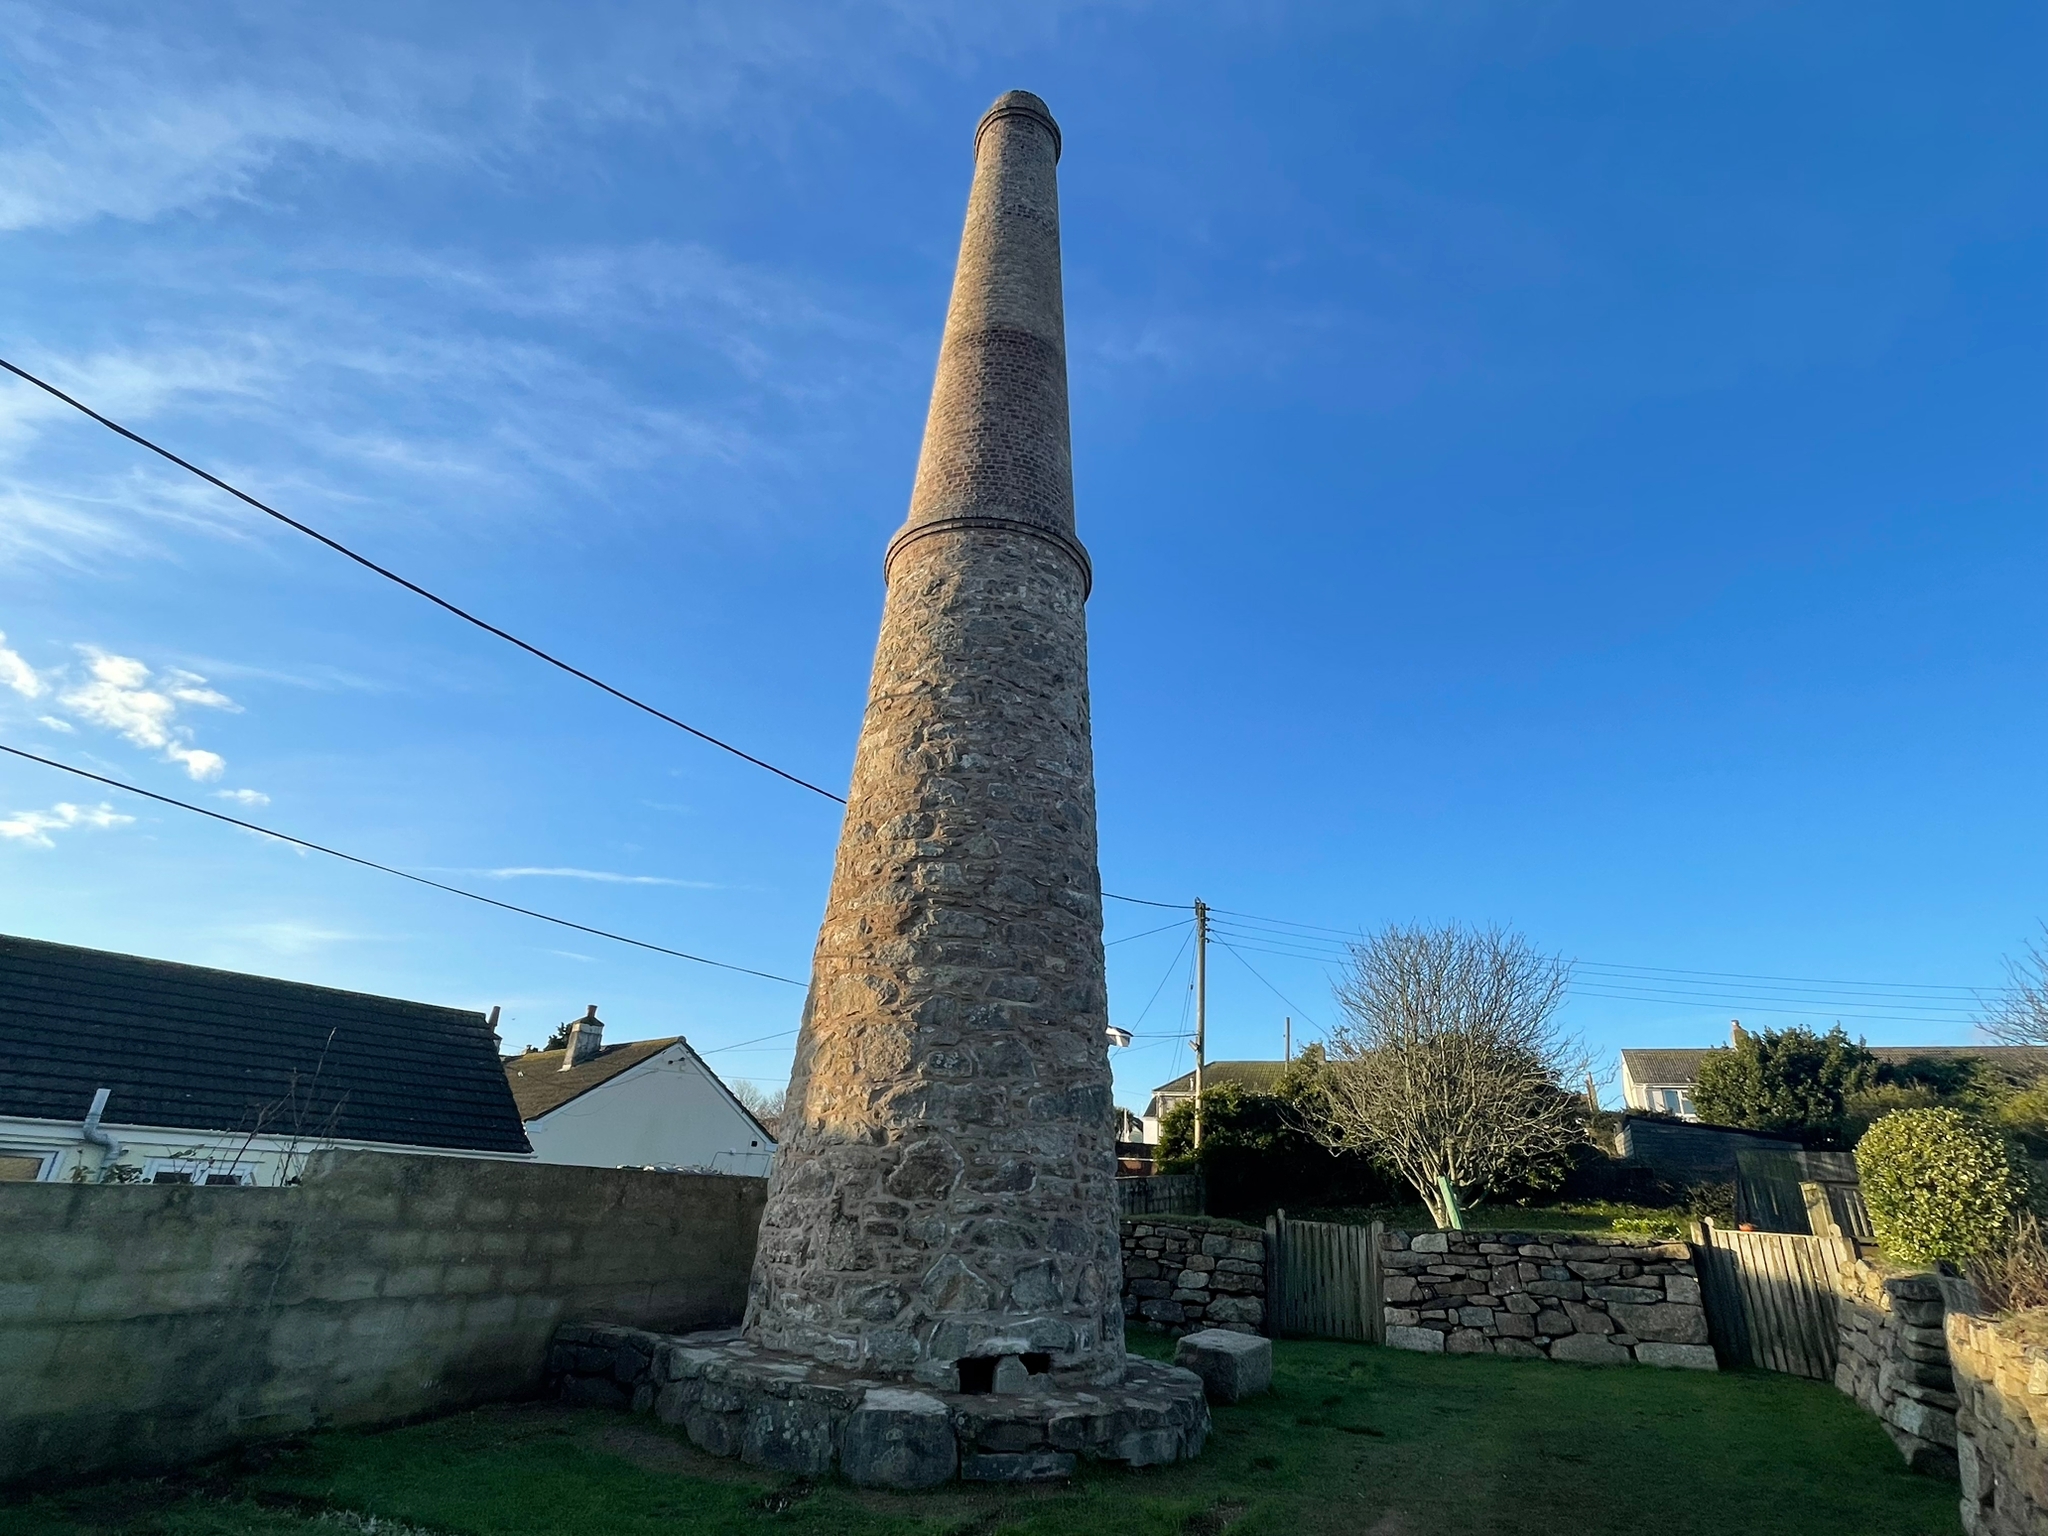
1424	1340
898	1439
1233	1366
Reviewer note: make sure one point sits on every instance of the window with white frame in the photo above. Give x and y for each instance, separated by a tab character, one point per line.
20	1165
184	1170
1672	1101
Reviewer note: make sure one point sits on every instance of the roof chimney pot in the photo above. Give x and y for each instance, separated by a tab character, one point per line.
586	1038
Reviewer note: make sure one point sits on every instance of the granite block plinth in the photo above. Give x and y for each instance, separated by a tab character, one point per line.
791	1413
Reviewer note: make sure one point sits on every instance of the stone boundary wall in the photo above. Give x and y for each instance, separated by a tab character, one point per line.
2002	1418
1194	1272
1605	1301
1893	1358
145	1326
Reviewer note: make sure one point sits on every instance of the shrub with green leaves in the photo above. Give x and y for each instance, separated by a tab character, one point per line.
1789	1082
1938	1185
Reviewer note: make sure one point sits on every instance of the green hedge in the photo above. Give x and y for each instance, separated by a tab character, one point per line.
1938	1185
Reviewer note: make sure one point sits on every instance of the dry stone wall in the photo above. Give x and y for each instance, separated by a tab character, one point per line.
1604	1301
1192	1273
1892	1357
2001	1379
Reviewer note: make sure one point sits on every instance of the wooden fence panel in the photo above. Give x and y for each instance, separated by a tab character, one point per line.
1323	1280
1770	1298
1165	1194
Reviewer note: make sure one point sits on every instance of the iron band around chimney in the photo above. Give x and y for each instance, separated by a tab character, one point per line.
1066	545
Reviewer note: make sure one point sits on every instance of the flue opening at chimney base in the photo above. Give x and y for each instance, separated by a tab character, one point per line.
586	1038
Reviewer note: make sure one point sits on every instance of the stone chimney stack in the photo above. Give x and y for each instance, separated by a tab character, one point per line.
944	1204
586	1039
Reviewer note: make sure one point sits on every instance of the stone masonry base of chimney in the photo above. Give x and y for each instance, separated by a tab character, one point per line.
788	1413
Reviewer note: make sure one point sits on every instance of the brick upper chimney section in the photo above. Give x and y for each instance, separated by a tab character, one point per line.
586	1038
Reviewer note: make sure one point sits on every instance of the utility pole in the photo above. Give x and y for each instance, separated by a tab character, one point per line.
1287	1038
1201	1006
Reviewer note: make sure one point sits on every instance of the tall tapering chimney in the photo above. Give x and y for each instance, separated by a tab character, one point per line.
586	1039
944	1201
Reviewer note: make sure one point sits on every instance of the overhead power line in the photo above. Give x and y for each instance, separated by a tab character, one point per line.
414	587
1127	938
1290	1002
336	853
1297	936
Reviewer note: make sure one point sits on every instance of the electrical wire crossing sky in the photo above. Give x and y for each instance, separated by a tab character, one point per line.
1569	470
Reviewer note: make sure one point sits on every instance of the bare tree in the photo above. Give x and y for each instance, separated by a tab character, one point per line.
1449	1062
764	1104
2019	1014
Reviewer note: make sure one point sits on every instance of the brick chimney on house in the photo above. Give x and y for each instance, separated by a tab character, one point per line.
586	1038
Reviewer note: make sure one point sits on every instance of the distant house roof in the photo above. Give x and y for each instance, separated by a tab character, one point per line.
187	1047
1676	1068
539	1085
1258	1076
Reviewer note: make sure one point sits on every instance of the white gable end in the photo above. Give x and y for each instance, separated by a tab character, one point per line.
667	1112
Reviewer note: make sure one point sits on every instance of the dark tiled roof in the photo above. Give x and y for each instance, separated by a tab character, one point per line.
1683	1066
1662	1066
539	1084
1258	1076
198	1049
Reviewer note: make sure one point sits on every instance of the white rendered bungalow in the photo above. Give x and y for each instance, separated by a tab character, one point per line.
639	1104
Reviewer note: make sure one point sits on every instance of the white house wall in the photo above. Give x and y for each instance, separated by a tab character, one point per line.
668	1112
259	1160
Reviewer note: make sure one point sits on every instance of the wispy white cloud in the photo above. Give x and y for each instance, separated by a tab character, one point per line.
17	674
249	797
290	937
349	380
35	827
136	114
119	696
134	383
605	876
64	726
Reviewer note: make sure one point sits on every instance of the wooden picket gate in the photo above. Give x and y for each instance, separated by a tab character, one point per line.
1770	1297
1323	1280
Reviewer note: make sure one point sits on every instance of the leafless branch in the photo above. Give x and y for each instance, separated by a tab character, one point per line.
1449	1062
2019	1015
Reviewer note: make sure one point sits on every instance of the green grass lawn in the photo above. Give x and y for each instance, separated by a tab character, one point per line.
1354	1440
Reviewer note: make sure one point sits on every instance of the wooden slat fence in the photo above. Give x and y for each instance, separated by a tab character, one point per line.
1770	1298
1164	1194
1323	1280
1810	1192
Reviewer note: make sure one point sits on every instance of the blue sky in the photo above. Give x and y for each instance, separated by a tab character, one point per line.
1572	466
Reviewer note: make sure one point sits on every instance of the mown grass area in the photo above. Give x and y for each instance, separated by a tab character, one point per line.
1590	1216
1353	1440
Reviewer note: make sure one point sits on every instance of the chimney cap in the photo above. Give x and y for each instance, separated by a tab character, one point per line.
1020	104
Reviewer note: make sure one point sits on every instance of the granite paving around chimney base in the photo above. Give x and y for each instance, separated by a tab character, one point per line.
790	1413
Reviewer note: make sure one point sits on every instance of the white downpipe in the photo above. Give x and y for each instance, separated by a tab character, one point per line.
93	1134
